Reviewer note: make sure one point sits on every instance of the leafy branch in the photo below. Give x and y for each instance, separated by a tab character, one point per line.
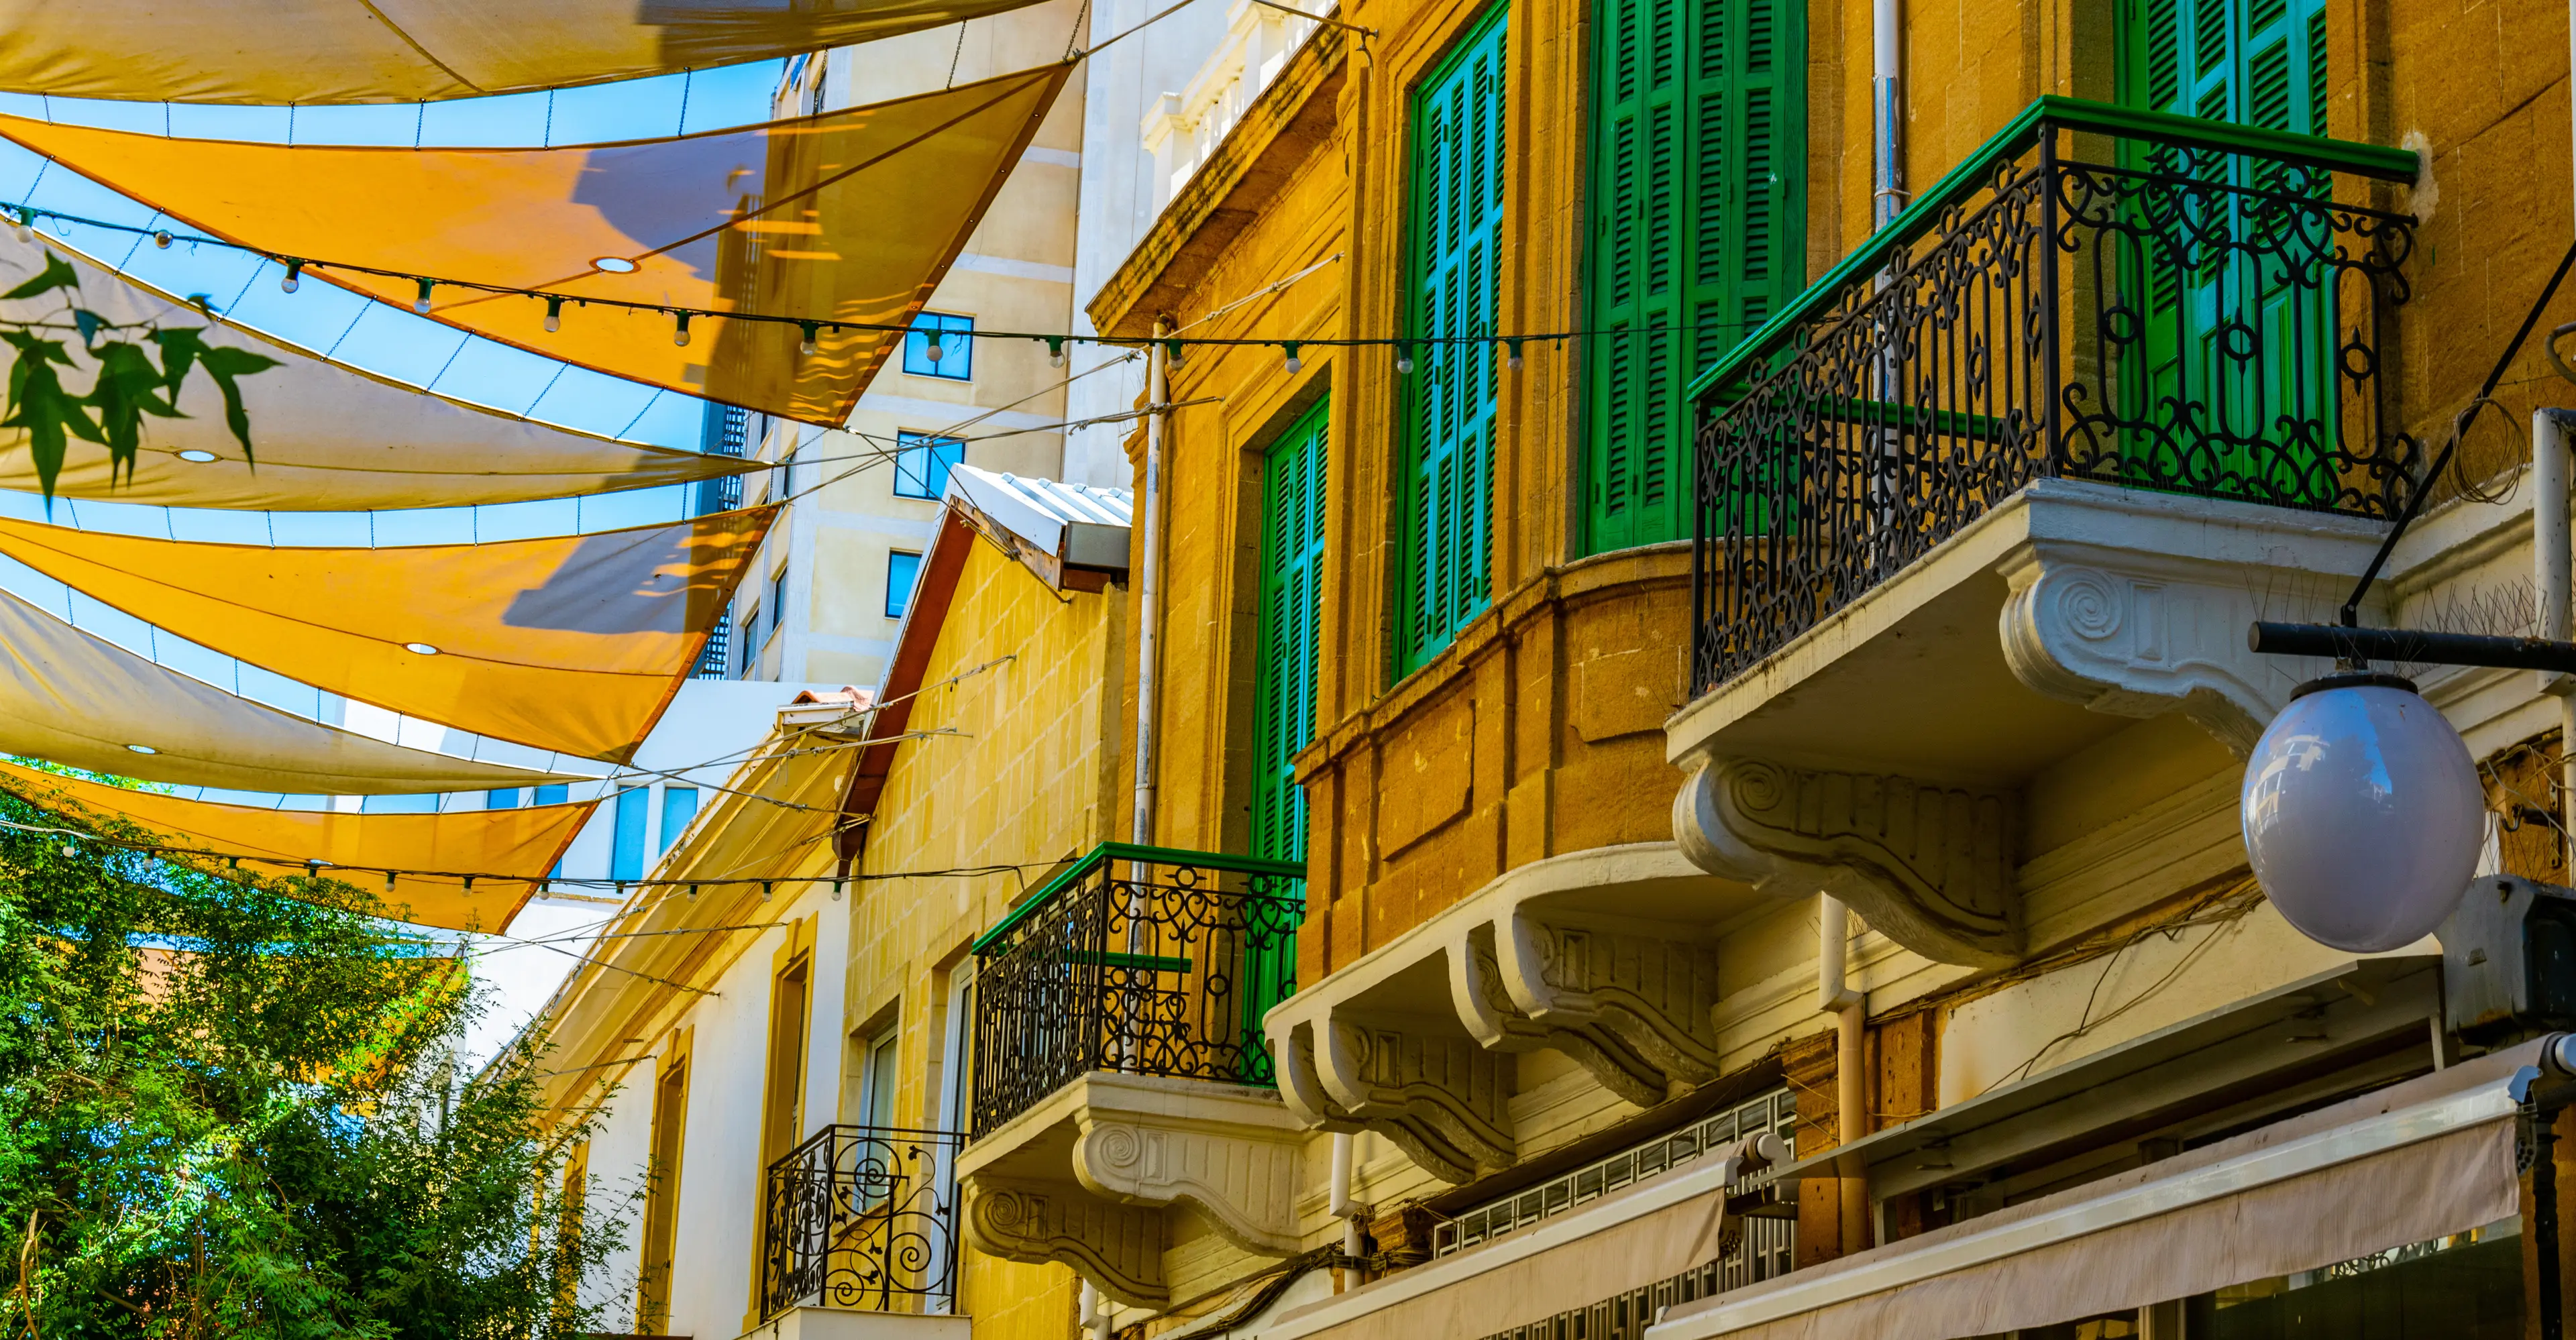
128	387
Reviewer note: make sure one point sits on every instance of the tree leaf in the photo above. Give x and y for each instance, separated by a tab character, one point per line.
227	365
128	387
89	322
38	403
56	274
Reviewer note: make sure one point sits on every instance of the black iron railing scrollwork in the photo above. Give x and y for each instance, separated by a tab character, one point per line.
1140	960
865	1218
2144	300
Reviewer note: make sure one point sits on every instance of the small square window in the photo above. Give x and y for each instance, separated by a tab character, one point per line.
922	463
940	346
902	571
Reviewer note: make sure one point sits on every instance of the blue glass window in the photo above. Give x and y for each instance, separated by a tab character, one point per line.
626	853
940	346
922	463
902	571
506	798
553	795
679	806
778	600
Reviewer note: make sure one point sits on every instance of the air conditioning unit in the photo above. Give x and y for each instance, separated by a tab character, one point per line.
2509	958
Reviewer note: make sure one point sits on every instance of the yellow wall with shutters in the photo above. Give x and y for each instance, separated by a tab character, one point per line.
1008	771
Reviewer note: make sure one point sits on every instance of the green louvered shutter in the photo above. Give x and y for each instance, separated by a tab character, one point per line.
1694	201
2255	62
1454	230
1283	714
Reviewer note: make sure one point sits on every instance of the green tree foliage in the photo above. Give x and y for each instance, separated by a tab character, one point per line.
231	1107
128	385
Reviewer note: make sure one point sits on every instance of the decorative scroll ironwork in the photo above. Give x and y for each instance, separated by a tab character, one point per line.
2186	318
862	1217
1139	960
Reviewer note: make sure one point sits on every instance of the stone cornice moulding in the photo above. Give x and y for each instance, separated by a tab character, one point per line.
1926	864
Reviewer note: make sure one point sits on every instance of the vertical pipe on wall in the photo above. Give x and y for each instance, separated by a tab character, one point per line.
1836	995
2550	558
1149	593
1887	195
1339	1204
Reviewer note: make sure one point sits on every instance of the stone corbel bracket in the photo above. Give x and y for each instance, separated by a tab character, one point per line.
1117	1247
1929	865
1629	1006
1241	1175
2140	606
1435	1095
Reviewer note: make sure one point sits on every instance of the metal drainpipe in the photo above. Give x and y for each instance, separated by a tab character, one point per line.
1149	593
1339	1205
1836	995
2550	558
1092	1316
1888	193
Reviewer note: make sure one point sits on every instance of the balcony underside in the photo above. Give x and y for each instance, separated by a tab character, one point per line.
1606	956
1883	755
1086	1177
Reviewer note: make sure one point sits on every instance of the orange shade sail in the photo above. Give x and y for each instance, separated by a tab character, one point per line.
327	437
73	698
849	216
571	643
508	850
276	52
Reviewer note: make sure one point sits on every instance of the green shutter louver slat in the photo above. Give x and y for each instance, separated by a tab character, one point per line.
1447	406
1292	550
1694	171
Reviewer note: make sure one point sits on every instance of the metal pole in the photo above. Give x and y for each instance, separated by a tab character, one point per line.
1149	594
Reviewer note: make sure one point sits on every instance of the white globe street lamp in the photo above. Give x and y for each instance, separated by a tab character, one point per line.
2362	811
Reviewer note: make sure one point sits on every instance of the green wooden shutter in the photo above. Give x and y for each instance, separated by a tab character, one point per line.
1454	232
1283	714
1694	201
2255	62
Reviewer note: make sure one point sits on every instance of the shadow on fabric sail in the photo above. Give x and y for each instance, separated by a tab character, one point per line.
277	52
72	698
571	643
326	436
850	216
507	851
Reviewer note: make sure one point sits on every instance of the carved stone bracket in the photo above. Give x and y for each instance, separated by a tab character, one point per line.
1242	1176
1632	1008
1438	1097
1930	866
1117	1247
2134	636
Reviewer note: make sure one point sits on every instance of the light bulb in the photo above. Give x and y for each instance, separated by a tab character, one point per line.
294	277
1295	364
420	304
1404	360
2362	812
680	333
554	315
18	225
161	240
806	346
930	347
1055	353
1512	354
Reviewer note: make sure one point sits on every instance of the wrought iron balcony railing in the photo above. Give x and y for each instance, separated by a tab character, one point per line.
1141	960
2140	299
862	1217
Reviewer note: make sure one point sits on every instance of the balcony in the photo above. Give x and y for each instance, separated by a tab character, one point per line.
2110	389
1119	1065
862	1220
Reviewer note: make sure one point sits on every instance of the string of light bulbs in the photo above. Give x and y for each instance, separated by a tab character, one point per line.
316	868
23	217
